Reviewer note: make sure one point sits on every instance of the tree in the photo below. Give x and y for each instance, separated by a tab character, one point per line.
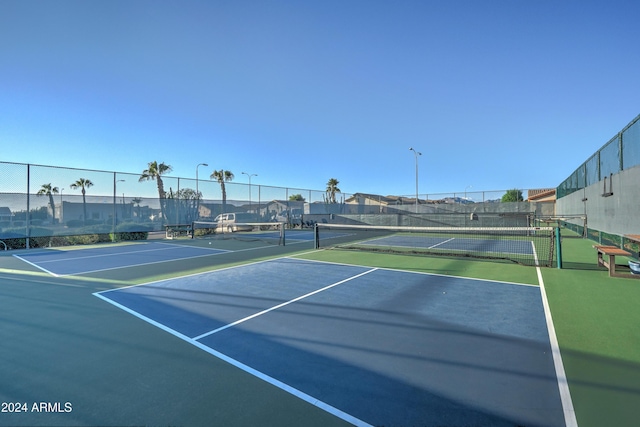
332	189
513	195
296	198
222	176
48	190
154	172
83	184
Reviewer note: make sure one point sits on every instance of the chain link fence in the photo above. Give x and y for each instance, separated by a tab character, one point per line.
620	153
53	206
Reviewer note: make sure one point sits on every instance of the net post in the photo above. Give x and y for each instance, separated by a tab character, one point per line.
558	247
282	236
316	240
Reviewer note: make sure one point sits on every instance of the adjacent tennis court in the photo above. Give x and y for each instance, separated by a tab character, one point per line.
371	346
66	262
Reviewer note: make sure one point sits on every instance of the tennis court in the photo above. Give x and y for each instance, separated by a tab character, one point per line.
524	245
184	332
66	262
371	346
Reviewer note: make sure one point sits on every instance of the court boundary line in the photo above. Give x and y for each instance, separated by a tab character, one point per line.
107	255
141	264
411	271
275	307
192	274
122	253
246	368
36	266
561	377
221	251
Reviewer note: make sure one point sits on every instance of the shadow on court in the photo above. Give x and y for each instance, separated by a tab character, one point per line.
388	348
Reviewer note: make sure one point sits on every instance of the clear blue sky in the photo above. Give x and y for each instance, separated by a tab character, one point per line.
495	94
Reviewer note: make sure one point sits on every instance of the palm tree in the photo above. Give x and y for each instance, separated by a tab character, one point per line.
221	176
332	189
48	190
154	172
83	184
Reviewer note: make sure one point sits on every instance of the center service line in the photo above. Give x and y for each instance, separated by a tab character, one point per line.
222	328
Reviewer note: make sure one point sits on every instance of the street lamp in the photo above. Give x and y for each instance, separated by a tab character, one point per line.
416	153
60	213
198	190
250	175
115	221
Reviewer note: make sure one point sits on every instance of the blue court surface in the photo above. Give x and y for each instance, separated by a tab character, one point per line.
66	262
371	346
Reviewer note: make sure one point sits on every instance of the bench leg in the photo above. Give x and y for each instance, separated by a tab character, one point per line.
612	265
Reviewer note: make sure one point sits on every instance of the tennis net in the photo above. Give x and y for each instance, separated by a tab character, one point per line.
523	245
269	232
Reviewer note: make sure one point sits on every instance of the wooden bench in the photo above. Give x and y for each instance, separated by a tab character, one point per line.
610	263
173	231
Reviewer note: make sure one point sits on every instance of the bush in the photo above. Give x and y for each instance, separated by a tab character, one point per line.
42	237
132	231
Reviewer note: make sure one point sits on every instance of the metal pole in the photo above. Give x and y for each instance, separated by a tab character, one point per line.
416	153
250	175
115	211
198	190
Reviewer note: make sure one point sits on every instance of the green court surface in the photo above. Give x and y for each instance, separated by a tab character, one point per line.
92	364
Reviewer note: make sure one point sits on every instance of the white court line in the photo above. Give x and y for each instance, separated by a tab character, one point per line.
189	275
563	385
441	243
36	266
109	254
144	263
295	256
260	375
219	252
237	322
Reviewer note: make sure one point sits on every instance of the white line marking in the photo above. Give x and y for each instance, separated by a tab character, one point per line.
117	267
237	322
36	266
192	275
563	385
295	256
441	243
260	375
73	259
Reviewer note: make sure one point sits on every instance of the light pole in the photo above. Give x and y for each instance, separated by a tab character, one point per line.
60	213
250	175
465	192
115	215
416	153
198	190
